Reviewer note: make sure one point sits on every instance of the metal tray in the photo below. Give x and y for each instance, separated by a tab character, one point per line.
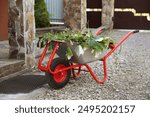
86	57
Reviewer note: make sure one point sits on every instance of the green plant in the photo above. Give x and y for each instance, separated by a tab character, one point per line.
41	14
97	44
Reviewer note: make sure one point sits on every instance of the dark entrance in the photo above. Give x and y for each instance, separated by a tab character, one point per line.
129	14
94	17
132	14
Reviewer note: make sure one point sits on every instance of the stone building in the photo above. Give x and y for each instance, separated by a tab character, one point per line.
22	30
107	13
75	14
21	15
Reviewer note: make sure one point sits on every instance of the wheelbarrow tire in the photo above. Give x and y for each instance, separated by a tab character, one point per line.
59	80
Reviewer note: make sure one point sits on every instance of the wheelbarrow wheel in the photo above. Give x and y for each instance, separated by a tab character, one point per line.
59	80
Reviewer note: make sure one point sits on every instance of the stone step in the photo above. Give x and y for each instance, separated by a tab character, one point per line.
8	67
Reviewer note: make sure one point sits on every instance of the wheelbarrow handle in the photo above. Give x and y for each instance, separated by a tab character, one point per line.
136	31
120	43
99	31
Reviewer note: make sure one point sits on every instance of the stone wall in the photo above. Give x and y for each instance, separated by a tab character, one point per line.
13	24
16	38
107	13
83	15
29	32
22	30
74	18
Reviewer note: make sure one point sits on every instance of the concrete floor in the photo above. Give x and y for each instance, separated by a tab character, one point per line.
8	66
22	86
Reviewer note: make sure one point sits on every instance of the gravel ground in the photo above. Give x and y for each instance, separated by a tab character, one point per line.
128	78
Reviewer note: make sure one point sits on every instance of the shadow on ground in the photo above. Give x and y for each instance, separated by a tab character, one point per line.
22	84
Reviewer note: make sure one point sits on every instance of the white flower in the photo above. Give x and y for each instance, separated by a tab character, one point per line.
92	51
99	39
69	57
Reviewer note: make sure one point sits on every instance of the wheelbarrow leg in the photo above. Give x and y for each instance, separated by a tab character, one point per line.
78	71
113	48
47	68
94	76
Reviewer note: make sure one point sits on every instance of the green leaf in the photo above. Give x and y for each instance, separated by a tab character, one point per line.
69	53
84	40
50	48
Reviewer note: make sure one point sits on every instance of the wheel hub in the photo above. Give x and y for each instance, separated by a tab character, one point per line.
61	76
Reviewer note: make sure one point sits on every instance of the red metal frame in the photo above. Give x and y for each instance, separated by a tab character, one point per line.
99	31
77	67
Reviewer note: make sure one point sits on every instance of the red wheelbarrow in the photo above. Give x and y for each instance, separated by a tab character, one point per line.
58	70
